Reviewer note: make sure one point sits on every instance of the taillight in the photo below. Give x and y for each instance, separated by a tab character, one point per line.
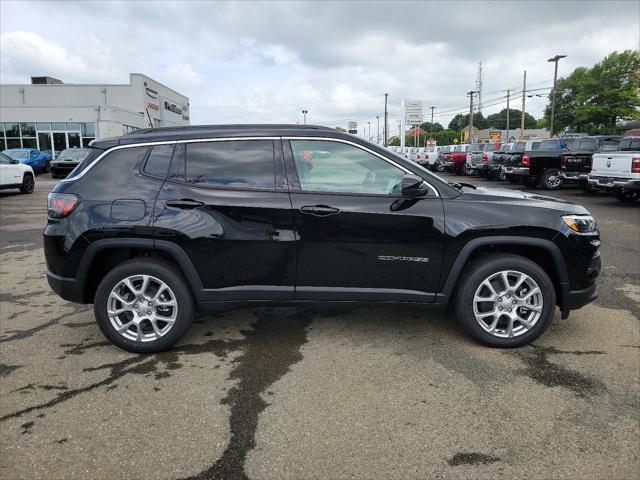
60	205
418	156
526	160
485	159
635	165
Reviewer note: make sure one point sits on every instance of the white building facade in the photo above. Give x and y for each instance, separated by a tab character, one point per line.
50	115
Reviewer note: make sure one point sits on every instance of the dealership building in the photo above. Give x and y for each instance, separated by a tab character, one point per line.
50	115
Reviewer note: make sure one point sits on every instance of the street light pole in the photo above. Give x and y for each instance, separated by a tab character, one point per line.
369	134
378	130
555	60
304	112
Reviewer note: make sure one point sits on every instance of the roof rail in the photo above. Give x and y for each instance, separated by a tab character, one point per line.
181	128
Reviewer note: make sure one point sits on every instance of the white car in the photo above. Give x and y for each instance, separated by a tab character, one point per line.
14	174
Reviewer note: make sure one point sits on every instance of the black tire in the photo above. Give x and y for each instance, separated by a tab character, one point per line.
28	183
439	167
587	187
529	181
551	179
626	196
513	178
476	272
47	167
164	272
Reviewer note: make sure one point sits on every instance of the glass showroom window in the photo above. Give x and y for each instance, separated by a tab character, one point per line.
28	133
12	133
88	133
3	143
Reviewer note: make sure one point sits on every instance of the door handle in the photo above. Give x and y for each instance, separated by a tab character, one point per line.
186	203
319	210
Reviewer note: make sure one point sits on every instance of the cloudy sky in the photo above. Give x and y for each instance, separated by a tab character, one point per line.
266	61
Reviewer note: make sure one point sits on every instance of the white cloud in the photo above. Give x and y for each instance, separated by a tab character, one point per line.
182	76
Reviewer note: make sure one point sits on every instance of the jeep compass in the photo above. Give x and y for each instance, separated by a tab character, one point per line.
159	223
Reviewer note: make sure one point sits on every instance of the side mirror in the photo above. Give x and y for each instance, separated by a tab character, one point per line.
413	186
14	161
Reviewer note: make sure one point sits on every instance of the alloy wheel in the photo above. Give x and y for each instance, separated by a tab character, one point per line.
508	304
142	308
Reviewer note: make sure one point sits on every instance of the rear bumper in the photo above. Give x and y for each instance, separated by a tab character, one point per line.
515	170
70	289
574	175
613	182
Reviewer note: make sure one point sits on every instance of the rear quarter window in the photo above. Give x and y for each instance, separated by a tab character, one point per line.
159	159
93	154
117	166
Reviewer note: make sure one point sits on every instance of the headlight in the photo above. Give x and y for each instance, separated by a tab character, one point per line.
581	223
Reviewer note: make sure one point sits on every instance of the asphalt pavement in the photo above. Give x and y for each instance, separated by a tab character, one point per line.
385	392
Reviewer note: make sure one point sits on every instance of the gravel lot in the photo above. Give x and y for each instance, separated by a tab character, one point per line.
385	392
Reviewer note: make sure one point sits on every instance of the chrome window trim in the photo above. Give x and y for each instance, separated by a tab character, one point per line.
357	145
227	139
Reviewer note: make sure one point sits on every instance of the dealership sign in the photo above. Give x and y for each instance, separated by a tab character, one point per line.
352	127
153	106
152	93
172	107
413	112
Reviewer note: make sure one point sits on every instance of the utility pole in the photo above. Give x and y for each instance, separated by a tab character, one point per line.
553	94
386	126
508	95
479	88
369	134
304	112
402	122
471	93
378	130
524	97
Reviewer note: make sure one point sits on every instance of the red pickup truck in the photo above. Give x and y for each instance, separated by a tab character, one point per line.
458	159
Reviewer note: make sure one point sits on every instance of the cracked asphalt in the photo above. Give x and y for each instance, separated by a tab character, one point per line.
387	392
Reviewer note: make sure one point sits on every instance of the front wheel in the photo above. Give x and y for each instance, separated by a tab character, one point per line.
551	179
627	196
144	306
505	300
27	183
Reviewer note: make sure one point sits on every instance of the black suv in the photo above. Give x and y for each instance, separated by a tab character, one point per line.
158	223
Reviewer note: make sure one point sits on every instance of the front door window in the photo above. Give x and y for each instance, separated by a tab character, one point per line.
326	166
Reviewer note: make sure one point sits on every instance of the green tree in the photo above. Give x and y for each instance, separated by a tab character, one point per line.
340	129
460	121
594	100
499	119
426	126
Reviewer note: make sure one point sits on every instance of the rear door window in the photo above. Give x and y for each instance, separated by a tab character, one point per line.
232	164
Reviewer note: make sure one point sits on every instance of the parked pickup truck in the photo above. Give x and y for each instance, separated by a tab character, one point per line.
619	171
513	160
444	155
576	164
458	158
495	161
542	166
478	158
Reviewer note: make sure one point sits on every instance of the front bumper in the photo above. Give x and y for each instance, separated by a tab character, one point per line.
576	299
574	175
70	289
614	182
62	167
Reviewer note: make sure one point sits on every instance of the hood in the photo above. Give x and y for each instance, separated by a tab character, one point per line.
505	196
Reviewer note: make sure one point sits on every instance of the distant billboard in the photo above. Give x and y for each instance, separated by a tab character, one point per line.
352	127
495	136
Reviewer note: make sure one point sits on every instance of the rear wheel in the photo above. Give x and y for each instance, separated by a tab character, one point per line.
505	300
551	179
144	306
47	167
27	183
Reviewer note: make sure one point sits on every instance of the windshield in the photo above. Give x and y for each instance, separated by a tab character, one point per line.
17	154
588	144
73	154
